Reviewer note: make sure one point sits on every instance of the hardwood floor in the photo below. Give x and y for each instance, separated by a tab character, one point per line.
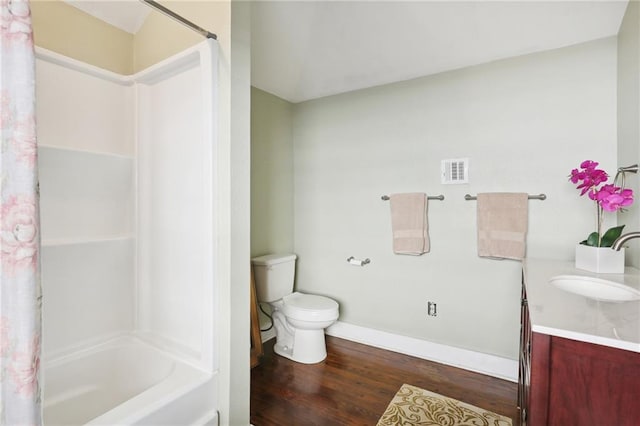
355	383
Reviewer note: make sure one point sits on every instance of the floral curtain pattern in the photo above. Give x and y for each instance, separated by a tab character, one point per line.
20	293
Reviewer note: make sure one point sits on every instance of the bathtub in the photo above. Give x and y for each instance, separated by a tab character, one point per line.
125	382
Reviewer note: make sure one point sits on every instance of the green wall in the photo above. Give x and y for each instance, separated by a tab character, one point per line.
629	118
271	174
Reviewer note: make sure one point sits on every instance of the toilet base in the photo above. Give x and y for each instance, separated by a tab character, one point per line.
308	347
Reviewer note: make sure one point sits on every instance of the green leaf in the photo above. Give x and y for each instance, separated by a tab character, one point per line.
592	240
611	236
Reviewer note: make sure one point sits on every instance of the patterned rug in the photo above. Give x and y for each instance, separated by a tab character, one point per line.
414	406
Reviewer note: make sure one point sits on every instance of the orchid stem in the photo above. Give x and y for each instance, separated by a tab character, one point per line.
599	224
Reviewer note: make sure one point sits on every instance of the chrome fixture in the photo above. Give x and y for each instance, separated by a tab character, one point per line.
621	173
435	197
171	14
358	262
530	197
617	244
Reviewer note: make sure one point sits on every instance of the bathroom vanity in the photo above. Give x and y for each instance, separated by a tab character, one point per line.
579	356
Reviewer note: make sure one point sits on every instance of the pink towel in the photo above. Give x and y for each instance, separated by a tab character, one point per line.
502	225
409	223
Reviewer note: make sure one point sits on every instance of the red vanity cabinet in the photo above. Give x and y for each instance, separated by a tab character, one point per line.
564	382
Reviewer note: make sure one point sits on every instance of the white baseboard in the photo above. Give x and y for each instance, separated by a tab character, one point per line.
491	365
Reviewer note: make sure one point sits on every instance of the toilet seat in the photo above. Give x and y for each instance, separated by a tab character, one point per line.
309	307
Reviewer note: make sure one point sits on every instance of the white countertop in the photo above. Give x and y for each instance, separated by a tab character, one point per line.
560	313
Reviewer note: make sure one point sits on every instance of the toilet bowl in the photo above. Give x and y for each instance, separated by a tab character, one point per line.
298	318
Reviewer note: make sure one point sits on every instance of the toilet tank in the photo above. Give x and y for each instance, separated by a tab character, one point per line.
274	274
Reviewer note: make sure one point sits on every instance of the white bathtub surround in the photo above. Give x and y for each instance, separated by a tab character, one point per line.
136	378
127	186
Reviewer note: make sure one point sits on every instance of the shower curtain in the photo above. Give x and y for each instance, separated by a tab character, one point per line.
20	296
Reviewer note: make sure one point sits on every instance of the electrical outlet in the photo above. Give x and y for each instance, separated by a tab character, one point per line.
432	309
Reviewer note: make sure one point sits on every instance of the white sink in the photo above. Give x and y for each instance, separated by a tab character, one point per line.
595	288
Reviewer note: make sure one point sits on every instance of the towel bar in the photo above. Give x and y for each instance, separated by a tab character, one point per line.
435	197
531	197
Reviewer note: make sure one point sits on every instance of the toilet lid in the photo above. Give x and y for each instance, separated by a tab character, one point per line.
310	307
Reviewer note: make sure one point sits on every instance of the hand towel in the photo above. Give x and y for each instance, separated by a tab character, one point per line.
502	225
409	223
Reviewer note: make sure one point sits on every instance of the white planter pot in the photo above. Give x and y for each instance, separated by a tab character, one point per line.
602	260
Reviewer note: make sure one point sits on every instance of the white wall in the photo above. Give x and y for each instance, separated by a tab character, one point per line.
102	275
239	207
175	186
629	118
523	122
159	38
86	176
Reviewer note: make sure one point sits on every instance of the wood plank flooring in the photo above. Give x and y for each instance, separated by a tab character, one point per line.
354	385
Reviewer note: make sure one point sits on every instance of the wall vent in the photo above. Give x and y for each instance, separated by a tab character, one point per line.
455	171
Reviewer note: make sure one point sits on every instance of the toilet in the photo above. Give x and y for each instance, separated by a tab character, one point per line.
299	318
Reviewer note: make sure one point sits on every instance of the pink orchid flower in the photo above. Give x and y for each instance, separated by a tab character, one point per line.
589	176
607	197
613	198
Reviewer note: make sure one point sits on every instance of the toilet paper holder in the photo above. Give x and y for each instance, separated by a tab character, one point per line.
358	262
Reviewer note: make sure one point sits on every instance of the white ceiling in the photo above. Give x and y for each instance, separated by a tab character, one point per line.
128	15
303	50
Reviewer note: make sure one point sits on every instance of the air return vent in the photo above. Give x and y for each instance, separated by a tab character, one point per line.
455	171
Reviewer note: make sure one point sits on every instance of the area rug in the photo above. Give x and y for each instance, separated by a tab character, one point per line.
414	406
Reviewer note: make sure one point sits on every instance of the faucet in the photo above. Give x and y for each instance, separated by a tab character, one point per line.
617	244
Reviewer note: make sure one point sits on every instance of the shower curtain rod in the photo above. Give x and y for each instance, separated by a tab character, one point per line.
171	14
